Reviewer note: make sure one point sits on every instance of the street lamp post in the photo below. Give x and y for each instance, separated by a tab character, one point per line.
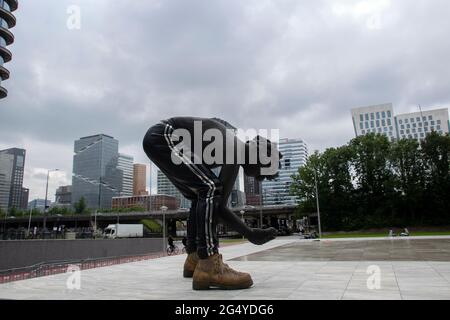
317	202
260	208
242	218
46	196
164	209
29	222
98	206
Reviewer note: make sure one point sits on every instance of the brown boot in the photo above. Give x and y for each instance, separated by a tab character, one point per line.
212	272
190	264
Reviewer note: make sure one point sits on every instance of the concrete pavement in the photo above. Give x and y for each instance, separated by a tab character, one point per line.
275	275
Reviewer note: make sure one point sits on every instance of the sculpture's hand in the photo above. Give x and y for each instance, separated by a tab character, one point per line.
261	236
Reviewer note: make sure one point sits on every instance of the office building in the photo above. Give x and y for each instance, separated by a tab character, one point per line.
237	197
277	191
96	176
139	179
165	187
7	21
417	125
252	189
146	202
125	165
12	164
380	119
24	200
38	204
63	196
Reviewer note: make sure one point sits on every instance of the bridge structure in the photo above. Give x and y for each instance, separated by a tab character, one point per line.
254	213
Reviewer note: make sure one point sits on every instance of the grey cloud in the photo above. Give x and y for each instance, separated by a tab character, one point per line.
293	65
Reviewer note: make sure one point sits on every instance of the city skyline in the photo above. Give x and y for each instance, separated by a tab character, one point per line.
222	60
62	177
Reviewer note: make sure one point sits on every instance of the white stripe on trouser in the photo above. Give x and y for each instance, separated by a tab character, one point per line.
212	187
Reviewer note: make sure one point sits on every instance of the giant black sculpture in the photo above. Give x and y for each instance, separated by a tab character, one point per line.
181	159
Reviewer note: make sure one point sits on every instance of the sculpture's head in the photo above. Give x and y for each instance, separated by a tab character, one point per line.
262	159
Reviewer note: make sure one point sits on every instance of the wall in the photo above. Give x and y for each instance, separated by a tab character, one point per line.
22	253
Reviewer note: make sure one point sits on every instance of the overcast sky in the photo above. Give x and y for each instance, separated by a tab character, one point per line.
294	65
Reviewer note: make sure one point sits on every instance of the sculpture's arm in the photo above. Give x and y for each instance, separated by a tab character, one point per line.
228	176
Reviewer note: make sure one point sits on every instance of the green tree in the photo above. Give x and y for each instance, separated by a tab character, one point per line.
80	206
409	172
374	180
13	212
303	183
337	188
436	154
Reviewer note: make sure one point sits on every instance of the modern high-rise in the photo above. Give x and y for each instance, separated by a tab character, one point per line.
417	125
24	199
125	165
237	197
375	119
63	196
380	119
39	204
277	191
12	164
139	179
96	176
252	189
165	187
7	21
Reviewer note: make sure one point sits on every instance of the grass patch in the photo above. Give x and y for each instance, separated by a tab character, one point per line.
382	234
151	225
240	240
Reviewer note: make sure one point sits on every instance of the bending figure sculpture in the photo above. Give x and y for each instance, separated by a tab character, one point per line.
177	146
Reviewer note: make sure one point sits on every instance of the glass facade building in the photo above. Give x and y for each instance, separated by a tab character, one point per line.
7	21
165	187
96	175
12	164
125	165
277	191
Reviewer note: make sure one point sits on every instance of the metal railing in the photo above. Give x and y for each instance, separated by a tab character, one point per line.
56	267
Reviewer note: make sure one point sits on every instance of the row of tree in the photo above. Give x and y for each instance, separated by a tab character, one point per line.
372	182
79	207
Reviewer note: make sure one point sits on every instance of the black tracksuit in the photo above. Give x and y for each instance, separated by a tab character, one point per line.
196	181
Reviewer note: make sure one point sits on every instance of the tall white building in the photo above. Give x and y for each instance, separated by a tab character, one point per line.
416	125
380	119
125	165
295	154
375	119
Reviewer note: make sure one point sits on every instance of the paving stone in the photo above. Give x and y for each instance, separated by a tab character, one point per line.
286	268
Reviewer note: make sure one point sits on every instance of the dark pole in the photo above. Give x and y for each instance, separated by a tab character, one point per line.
260	209
46	197
317	202
45	202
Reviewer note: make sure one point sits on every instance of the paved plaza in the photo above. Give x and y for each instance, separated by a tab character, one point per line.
286	268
